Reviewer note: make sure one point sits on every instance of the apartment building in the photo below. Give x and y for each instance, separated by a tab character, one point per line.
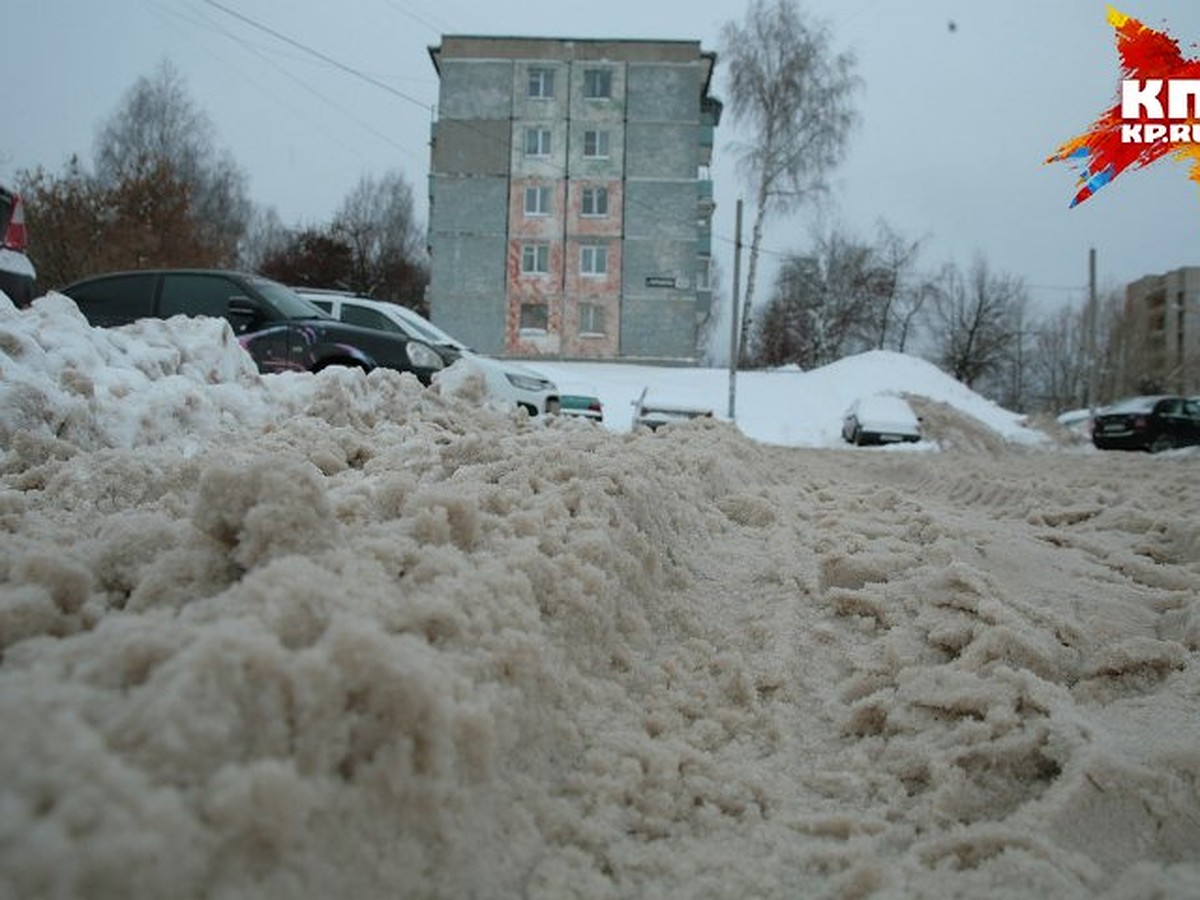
570	205
1162	343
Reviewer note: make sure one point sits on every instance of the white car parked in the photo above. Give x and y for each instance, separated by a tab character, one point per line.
880	419
505	381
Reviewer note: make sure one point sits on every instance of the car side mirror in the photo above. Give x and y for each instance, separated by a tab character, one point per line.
242	313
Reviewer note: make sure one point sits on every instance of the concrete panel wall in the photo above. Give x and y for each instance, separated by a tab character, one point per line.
468	271
476	147
660	210
469	206
655	150
664	93
662	328
657	260
475	89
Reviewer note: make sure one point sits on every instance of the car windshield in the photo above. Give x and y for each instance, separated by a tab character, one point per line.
427	330
287	302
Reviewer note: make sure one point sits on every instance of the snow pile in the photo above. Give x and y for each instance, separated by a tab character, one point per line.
790	407
338	635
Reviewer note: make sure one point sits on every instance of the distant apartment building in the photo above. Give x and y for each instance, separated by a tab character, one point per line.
570	203
1162	340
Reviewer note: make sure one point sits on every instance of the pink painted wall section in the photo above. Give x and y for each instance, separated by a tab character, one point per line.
564	287
610	224
544	289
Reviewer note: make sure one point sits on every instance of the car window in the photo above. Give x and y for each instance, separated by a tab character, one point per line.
286	302
197	295
323	305
1192	408
369	318
117	300
1172	406
425	329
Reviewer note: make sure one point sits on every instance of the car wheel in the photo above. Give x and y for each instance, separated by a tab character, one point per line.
857	438
1162	443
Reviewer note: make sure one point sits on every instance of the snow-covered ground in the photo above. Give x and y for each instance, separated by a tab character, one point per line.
344	636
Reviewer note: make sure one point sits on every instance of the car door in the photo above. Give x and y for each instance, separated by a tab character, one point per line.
1191	422
211	294
1171	423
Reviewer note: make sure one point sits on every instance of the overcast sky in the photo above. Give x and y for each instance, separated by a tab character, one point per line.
956	120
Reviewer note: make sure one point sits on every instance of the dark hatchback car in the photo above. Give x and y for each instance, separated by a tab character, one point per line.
281	330
1148	423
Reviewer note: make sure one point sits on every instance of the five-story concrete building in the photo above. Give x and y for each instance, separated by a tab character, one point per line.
570	203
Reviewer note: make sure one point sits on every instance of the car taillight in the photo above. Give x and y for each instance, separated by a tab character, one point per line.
14	234
595	407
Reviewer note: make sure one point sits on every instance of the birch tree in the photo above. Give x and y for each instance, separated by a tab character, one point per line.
791	94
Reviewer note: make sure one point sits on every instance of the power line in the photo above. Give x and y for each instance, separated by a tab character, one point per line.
312	51
200	20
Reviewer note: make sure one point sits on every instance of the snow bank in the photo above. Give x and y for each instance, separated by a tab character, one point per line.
338	635
791	407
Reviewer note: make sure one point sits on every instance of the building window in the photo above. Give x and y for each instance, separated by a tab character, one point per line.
704	274
537	141
535	259
538	201
597	84
593	259
595	144
591	318
595	201
541	83
534	317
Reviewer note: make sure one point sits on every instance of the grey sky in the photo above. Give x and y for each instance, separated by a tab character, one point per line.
955	123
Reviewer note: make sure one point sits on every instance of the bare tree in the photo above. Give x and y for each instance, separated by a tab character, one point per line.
158	128
792	94
387	245
822	304
265	236
66	217
898	291
312	258
80	226
976	319
1059	367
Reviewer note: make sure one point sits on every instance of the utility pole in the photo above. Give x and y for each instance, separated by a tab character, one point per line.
733	324
1093	322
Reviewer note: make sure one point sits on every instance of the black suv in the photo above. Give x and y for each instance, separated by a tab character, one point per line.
281	330
16	271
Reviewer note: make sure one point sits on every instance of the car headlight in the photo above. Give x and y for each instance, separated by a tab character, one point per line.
528	382
422	357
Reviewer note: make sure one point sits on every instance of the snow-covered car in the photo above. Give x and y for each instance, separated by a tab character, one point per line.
880	419
582	405
17	274
506	381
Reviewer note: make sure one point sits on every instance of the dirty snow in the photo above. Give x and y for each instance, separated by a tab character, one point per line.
341	636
